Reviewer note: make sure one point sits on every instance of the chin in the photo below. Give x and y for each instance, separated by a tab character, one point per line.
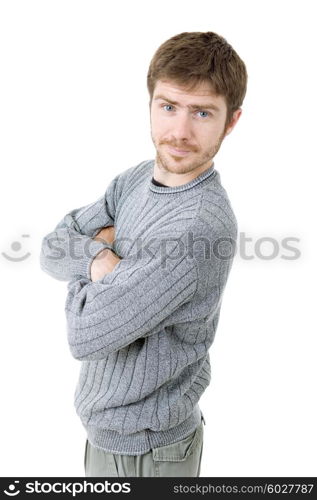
174	166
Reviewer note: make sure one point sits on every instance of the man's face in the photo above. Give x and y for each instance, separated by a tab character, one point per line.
187	128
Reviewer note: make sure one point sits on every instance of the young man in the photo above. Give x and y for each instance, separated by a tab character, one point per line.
147	265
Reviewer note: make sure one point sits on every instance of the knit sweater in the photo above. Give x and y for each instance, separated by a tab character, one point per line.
143	331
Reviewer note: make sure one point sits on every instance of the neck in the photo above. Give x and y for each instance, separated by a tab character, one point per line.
173	179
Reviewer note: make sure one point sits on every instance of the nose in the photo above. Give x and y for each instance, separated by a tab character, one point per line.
181	128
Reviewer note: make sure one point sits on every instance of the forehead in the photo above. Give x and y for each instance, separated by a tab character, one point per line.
202	93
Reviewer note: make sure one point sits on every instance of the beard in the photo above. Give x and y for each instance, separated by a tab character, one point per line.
184	165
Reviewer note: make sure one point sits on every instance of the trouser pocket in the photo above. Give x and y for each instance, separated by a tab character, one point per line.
180	459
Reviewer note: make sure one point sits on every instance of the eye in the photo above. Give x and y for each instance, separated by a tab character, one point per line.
206	113
167	106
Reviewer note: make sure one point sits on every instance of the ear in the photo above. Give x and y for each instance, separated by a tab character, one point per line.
236	115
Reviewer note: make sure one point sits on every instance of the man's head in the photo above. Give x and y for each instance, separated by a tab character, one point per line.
197	84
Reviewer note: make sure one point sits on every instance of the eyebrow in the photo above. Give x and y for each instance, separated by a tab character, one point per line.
190	106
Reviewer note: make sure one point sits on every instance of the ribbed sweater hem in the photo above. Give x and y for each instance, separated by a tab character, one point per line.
141	442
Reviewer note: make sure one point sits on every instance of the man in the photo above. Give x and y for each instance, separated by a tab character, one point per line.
147	264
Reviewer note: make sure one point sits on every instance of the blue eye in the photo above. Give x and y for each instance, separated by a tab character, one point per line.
167	106
206	113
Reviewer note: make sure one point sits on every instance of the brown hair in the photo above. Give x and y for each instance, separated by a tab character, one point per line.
191	58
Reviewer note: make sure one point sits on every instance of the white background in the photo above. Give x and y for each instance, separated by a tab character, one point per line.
74	113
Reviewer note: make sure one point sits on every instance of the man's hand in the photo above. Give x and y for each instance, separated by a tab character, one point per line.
107	234
104	262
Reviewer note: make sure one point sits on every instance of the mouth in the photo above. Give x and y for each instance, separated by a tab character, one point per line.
177	152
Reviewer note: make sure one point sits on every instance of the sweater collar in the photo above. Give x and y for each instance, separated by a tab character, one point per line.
210	172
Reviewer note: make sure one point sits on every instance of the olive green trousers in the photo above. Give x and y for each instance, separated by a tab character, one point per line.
180	459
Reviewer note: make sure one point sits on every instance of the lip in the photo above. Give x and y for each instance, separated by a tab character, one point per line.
177	152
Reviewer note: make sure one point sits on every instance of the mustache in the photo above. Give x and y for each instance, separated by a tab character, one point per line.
183	147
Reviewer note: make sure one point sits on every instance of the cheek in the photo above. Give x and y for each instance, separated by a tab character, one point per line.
154	121
211	134
158	127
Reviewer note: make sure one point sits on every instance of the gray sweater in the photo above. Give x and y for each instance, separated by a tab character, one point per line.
143	331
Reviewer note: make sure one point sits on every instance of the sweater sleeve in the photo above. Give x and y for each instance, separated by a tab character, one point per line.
136	299
69	250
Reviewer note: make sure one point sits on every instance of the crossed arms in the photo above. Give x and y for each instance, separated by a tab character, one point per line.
105	261
125	298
